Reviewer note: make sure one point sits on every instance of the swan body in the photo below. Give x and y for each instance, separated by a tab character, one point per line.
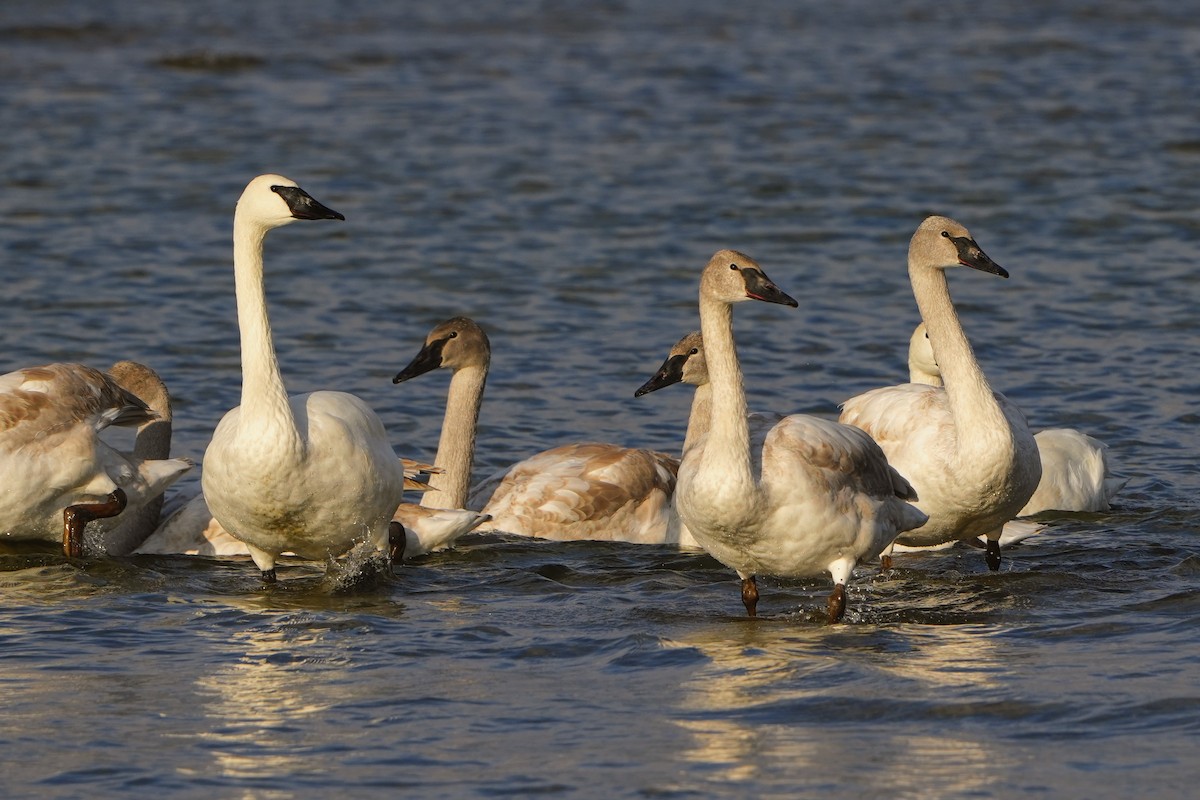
586	491
312	474
966	450
1076	475
816	497
579	491
188	528
51	455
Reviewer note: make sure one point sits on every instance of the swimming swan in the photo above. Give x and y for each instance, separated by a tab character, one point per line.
57	472
1076	474
312	474
817	497
572	492
966	450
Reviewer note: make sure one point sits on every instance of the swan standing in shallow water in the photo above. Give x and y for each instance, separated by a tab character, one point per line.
57	472
966	450
817	497
686	364
1075	469
188	527
312	474
577	491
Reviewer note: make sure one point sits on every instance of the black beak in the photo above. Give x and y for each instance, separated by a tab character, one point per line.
429	359
760	287
670	372
302	204
971	255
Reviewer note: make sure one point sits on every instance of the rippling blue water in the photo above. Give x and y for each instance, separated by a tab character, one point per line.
562	174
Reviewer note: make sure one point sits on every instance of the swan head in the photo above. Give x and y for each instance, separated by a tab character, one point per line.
732	277
145	383
922	366
942	243
273	200
685	364
456	343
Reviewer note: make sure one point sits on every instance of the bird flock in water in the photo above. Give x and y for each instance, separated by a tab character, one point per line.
906	468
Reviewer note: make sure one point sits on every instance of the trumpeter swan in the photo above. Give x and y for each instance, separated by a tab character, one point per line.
57	472
817	497
312	474
966	450
1076	475
576	491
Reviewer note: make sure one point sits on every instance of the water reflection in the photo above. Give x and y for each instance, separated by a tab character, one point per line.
840	707
261	706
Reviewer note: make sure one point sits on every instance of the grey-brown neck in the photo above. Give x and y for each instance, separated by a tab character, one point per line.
456	445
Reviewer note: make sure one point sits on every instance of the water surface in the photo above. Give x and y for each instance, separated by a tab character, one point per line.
561	175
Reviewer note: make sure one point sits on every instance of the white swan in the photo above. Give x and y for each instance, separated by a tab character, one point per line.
1076	475
186	526
57	473
817	497
312	474
966	450
686	364
572	492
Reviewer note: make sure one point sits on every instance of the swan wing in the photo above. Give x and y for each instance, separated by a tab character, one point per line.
188	528
910	422
587	491
835	456
39	402
1075	473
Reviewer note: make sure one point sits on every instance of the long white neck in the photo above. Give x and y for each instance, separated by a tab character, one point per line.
980	425
700	417
456	446
728	445
264	397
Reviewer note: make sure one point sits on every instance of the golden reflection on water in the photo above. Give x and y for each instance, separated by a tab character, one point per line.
259	706
765	708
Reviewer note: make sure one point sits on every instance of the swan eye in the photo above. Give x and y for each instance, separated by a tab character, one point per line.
453	335
693	351
734	267
945	234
